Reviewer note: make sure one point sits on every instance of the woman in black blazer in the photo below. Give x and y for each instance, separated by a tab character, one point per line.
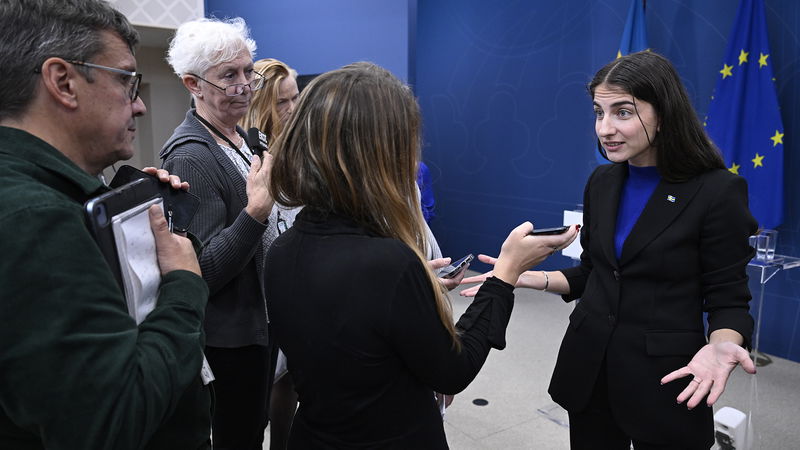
665	239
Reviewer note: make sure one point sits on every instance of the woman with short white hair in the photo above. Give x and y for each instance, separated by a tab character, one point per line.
214	59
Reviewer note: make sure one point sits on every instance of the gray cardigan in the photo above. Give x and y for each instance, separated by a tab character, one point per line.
232	258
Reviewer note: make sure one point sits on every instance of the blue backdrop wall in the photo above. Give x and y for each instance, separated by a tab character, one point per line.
508	125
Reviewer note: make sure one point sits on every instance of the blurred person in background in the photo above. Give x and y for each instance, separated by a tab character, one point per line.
270	109
272	105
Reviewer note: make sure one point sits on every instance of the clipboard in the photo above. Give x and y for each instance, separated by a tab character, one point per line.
130	256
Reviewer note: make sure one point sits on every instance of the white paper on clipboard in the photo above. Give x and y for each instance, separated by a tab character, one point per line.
136	248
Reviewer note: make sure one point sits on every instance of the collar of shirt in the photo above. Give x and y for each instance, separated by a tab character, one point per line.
25	146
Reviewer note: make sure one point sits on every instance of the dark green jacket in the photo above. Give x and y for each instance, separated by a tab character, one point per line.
75	370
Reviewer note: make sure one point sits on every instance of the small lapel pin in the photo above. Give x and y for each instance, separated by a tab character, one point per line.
671	198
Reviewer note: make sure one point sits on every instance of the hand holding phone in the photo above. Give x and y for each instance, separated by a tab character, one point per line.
455	268
180	206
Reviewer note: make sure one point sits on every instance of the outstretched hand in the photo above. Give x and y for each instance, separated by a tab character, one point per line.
710	367
165	177
519	252
472	290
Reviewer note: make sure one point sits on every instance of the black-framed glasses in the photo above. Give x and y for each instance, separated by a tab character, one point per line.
135	78
233	90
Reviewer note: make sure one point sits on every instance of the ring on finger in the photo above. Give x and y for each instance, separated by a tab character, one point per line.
697	380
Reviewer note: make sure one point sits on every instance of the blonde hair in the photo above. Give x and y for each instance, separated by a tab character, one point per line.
352	148
263	112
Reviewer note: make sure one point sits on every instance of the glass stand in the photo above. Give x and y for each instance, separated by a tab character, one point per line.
765	270
761	271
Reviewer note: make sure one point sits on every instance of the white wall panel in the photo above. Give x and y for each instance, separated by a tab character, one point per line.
160	13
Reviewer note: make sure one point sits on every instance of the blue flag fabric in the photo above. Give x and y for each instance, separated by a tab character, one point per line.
634	39
634	36
744	118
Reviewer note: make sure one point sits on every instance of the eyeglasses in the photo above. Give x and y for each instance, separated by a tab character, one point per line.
233	90
135	78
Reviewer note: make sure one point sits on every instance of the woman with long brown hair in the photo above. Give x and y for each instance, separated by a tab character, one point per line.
364	322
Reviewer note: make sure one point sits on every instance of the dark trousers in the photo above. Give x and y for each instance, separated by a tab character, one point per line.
595	427
243	378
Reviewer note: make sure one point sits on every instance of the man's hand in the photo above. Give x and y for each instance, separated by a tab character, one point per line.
165	177
173	252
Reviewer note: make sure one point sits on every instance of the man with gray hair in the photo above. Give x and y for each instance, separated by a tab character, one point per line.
75	369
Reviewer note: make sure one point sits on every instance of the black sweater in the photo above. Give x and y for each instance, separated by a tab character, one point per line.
356	317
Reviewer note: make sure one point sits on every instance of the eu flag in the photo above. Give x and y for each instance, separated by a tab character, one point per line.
744	119
634	36
634	39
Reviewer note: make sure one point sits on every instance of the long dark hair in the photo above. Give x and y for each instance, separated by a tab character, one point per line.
684	150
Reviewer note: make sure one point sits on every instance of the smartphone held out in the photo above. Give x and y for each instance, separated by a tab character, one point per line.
548	231
456	267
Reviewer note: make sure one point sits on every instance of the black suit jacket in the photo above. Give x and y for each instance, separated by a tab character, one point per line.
686	255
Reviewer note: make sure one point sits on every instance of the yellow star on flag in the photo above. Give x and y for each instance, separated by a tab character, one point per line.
734	168
757	161
777	139
762	60
726	71
743	57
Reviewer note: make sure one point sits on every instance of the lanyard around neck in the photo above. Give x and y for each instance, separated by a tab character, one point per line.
222	136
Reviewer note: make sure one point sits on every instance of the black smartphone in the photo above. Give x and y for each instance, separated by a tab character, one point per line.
548	231
455	268
179	206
